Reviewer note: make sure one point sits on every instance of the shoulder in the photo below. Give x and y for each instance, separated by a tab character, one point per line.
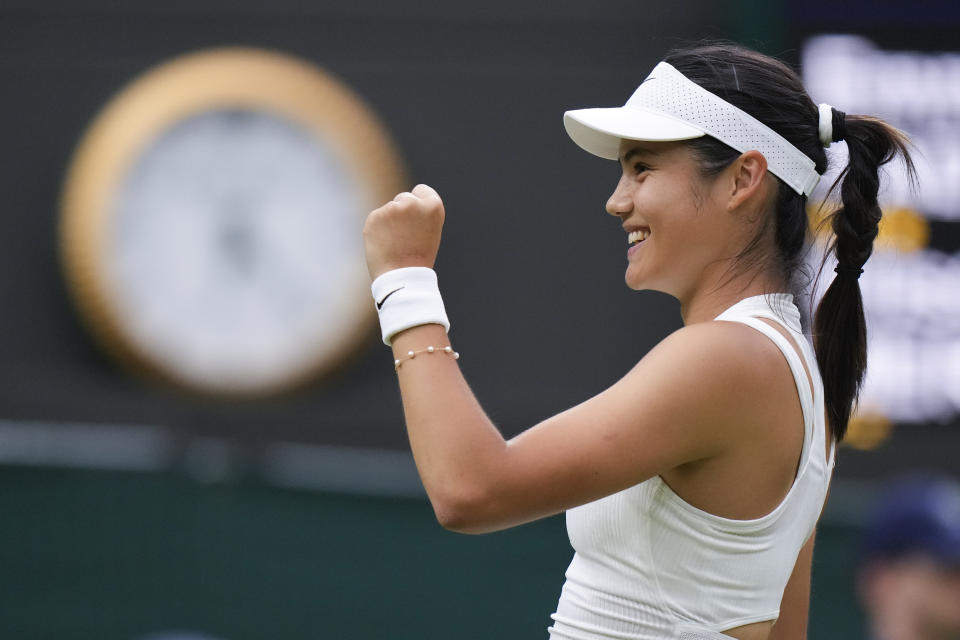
725	376
717	347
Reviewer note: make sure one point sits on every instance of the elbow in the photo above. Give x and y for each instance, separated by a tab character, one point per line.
460	521
464	512
453	518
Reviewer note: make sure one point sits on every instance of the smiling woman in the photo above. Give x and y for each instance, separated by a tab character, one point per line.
693	485
661	200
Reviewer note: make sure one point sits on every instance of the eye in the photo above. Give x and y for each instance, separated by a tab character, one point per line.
639	168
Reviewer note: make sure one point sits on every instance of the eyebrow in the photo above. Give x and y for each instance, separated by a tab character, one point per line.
637	151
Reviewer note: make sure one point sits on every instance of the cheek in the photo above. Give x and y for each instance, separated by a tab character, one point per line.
683	226
704	227
672	210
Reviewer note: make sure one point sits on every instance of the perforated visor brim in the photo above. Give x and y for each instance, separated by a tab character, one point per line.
600	131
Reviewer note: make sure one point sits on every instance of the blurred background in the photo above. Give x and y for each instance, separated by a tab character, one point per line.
155	489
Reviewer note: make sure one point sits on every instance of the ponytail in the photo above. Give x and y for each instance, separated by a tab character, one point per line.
773	93
839	327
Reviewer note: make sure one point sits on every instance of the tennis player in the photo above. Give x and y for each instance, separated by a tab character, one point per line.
693	485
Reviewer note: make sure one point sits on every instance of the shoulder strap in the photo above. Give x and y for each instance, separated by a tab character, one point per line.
807	356
804	391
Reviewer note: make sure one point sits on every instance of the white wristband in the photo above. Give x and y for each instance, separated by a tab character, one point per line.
407	297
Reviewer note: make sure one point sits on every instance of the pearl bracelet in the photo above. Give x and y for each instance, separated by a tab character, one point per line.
431	349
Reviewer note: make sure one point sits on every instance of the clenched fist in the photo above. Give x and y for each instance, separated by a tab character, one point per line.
405	232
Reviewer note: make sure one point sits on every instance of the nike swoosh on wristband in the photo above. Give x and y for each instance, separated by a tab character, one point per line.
380	304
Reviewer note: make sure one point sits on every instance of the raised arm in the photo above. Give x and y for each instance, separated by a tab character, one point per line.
647	423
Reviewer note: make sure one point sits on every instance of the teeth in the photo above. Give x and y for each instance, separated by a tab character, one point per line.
637	236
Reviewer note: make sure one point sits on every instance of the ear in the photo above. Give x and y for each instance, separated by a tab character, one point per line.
747	176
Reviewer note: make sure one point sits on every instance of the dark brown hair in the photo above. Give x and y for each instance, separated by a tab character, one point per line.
773	93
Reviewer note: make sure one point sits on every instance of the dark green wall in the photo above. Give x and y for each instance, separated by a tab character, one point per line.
118	555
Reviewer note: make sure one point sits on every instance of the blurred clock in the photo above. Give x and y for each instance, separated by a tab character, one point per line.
212	216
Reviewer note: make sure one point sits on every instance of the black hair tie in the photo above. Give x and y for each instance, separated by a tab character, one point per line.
839	124
848	271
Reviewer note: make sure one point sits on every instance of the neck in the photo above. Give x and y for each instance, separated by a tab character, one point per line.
714	296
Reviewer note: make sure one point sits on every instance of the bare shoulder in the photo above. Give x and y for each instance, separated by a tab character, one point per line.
731	376
734	350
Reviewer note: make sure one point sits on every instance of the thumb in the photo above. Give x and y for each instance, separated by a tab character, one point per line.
425	192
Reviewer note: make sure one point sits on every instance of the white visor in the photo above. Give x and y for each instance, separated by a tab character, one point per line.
668	106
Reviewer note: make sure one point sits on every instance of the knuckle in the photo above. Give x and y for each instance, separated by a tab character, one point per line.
376	218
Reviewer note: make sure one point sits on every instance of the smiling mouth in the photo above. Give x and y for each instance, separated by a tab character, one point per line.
638	236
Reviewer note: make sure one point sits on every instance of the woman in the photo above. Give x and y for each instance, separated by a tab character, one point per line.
692	486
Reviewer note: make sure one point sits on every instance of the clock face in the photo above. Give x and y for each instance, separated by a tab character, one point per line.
235	235
212	221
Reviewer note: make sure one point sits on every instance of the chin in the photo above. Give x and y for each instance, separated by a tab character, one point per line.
637	280
644	282
638	284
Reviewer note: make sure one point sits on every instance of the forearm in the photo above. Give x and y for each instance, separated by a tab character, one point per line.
460	455
457	449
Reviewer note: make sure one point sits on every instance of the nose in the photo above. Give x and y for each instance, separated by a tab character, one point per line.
620	203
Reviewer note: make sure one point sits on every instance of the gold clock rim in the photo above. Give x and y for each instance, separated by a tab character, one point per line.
228	77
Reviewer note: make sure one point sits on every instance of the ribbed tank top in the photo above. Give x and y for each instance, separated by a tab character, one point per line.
648	565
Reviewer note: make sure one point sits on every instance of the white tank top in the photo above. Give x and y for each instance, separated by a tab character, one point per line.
649	565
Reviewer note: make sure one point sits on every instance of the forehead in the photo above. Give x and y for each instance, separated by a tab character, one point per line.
639	149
